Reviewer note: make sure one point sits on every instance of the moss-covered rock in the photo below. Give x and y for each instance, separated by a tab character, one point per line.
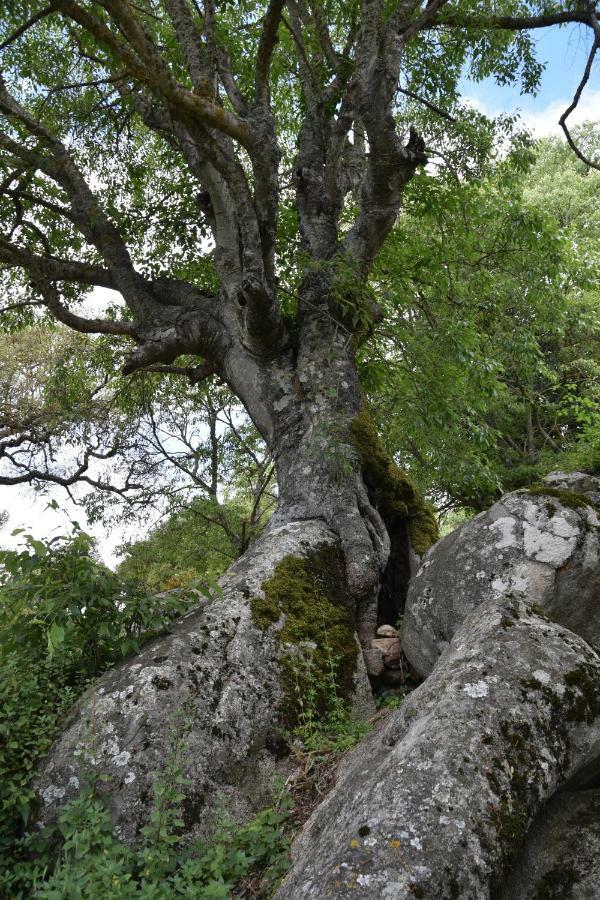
307	598
389	488
570	499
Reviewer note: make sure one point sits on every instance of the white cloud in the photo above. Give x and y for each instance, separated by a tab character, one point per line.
543	122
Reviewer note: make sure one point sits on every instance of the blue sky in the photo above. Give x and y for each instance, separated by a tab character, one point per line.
564	51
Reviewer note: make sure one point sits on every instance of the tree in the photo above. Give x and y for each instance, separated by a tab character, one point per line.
180	155
140	452
472	406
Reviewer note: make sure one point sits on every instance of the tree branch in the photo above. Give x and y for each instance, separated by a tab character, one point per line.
22	29
145	63
513	23
195	374
573	105
79	323
53	268
268	40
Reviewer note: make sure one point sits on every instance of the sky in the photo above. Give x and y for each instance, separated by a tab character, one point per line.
564	51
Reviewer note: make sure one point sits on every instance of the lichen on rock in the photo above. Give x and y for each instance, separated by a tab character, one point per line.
542	542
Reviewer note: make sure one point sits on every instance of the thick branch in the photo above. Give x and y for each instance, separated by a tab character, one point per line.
80	323
268	40
146	65
579	15
55	269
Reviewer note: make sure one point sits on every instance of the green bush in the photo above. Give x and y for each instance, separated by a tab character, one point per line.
64	619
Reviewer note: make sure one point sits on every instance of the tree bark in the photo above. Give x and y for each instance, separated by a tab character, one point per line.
223	674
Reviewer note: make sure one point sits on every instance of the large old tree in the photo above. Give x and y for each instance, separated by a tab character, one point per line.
233	170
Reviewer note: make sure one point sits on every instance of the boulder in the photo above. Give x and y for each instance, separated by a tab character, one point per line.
543	542
389	649
436	802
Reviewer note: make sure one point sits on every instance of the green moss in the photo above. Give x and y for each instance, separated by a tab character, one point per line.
570	499
309	596
389	488
583	691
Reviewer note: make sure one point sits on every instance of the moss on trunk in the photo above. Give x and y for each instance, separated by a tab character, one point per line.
390	490
307	596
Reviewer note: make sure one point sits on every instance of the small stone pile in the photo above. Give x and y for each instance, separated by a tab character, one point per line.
385	656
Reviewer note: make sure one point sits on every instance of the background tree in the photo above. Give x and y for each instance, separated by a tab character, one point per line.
491	323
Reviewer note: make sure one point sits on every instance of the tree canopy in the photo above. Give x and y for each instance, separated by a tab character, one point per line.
202	161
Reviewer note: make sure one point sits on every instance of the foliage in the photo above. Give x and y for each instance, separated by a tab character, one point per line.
64	618
58	600
92	862
192	543
139	451
485	373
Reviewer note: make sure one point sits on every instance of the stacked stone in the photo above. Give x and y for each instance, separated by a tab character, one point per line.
385	656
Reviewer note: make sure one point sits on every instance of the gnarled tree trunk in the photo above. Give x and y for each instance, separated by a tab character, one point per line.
229	672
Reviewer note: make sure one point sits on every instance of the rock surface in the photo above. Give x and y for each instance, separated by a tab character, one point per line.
561	859
435	803
545	545
216	677
387	631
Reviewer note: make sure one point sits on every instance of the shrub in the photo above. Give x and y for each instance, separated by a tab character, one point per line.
64	619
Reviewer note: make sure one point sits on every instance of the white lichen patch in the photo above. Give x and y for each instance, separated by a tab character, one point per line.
476	689
506	527
129	778
74	782
545	546
563	528
542	676
122	758
52	793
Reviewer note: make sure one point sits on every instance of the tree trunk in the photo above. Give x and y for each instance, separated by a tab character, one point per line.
232	673
222	676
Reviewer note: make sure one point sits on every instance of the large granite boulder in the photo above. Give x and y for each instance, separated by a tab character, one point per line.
542	542
436	802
